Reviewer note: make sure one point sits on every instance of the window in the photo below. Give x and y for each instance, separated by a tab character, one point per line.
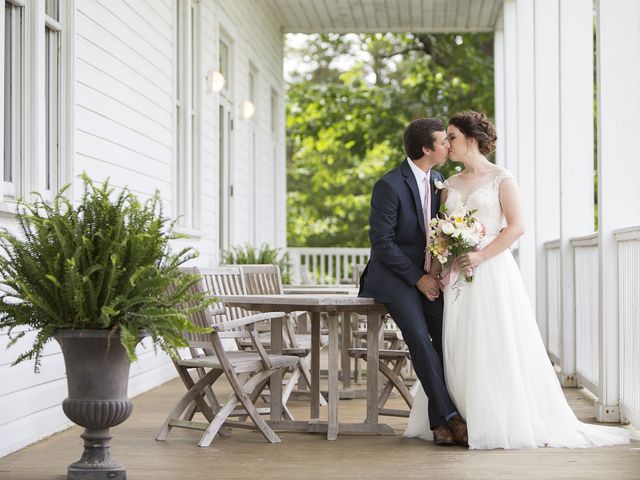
223	63
53	120
14	97
38	98
274	111
253	72
187	113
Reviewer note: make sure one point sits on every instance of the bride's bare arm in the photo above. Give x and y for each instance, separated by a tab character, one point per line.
512	209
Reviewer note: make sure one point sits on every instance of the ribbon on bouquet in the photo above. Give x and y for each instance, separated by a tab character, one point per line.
447	276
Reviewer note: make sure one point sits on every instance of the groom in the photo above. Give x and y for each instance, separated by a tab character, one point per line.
398	273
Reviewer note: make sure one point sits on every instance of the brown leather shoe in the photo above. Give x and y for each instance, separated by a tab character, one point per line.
443	436
458	428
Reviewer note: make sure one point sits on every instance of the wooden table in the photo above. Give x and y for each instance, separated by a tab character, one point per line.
320	290
333	305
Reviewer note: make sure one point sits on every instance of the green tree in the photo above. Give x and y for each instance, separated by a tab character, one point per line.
345	123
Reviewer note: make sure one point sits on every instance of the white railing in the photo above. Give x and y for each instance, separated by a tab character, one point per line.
586	300
586	281
326	266
554	314
629	314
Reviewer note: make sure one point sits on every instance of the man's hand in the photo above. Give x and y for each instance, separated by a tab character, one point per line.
429	286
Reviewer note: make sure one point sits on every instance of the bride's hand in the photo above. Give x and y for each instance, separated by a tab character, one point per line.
470	261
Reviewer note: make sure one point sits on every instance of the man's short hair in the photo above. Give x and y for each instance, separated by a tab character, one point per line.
419	134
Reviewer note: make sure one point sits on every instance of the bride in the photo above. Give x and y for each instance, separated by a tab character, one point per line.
496	367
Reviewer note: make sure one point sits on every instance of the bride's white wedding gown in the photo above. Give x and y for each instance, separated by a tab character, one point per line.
497	369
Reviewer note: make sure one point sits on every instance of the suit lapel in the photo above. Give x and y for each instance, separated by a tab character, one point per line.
410	180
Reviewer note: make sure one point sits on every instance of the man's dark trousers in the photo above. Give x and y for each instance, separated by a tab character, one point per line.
420	322
398	240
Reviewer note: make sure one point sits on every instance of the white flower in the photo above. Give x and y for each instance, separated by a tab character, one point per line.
459	210
439	185
469	238
448	228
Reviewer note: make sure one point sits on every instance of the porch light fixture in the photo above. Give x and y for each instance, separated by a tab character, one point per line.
215	81
248	109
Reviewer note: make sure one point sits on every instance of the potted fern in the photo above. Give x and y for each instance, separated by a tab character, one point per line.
97	276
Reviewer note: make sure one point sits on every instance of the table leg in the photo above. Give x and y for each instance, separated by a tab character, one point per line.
302	329
346	345
373	327
315	365
275	383
334	355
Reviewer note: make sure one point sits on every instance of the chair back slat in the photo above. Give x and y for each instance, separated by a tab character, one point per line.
201	318
262	279
225	280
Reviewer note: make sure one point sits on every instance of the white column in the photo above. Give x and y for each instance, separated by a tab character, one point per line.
510	46
576	157
526	144
547	145
618	78
499	92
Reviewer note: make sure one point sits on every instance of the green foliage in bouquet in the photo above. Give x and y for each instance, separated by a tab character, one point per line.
104	263
247	254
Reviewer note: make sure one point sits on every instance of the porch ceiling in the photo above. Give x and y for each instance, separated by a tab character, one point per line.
366	16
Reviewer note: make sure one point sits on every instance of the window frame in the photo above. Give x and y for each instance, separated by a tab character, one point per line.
15	114
53	73
187	116
36	127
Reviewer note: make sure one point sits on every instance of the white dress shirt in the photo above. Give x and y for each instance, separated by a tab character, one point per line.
420	177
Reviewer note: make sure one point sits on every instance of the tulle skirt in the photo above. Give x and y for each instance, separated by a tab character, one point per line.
497	369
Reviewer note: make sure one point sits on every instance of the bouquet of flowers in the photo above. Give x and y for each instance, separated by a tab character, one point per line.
454	234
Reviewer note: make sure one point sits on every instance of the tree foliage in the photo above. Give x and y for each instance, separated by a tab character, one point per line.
348	108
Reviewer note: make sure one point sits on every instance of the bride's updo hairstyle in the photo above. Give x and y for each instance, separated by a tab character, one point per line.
476	125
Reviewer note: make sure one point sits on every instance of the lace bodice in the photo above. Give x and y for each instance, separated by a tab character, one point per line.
485	199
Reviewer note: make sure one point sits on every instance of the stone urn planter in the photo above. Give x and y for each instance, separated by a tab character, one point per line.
93	273
97	378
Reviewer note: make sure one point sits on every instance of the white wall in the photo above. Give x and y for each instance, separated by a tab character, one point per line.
124	84
258	40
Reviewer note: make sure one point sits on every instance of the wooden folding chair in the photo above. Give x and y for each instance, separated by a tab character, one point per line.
265	279
394	358
229	280
246	371
392	361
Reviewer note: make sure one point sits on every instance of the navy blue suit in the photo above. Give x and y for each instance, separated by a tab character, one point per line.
398	240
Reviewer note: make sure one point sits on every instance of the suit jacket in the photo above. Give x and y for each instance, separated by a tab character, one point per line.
397	234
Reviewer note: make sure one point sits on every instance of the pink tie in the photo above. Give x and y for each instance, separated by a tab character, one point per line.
426	206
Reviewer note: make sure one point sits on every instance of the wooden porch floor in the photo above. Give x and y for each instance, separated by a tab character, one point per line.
307	456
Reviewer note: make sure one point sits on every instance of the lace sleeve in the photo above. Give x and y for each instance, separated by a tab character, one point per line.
450	182
502	174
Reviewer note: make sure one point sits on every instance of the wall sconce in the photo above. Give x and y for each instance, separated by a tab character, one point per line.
248	109
215	81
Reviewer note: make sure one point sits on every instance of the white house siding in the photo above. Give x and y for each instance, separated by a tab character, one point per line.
257	40
124	129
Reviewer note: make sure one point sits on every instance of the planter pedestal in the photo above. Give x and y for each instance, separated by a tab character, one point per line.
97	377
